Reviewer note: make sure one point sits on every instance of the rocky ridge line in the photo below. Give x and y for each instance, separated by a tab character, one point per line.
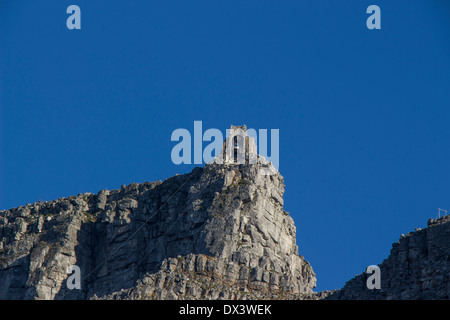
418	268
224	221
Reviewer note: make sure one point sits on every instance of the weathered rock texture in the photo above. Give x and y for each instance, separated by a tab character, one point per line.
418	267
217	232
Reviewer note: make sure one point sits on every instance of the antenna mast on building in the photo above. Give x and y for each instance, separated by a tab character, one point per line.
442	210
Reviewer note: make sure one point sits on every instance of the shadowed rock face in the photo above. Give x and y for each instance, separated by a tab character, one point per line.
217	232
418	268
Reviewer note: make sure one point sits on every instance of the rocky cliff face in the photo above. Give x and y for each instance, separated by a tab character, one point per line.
417	268
217	232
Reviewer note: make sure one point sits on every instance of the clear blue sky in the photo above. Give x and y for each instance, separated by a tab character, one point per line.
364	116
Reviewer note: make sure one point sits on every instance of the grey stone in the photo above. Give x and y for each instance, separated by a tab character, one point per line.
196	235
416	269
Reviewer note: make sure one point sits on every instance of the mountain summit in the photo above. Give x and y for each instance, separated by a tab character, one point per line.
217	232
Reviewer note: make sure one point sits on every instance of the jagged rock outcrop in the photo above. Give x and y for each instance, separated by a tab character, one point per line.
217	232
200	277
418	268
